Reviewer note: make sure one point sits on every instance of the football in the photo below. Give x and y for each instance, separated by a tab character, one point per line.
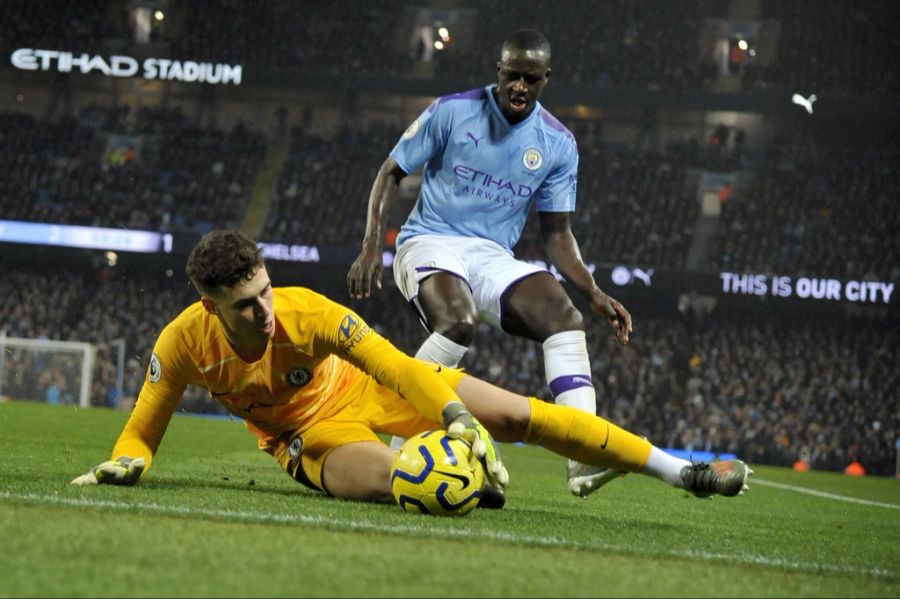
434	474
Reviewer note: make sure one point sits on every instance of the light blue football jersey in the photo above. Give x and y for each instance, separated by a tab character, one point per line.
481	173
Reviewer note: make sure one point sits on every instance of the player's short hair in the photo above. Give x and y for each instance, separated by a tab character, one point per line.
527	39
223	258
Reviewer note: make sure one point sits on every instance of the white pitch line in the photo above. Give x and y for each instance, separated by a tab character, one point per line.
768	483
459	532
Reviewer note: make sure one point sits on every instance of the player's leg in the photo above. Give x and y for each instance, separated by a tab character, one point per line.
360	471
538	308
449	312
592	440
432	278
431	273
343	458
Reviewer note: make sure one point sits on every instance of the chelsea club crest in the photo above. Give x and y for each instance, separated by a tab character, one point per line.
298	376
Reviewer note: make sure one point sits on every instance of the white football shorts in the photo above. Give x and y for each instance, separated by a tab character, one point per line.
488	269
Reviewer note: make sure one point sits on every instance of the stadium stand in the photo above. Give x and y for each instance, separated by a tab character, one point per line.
844	49
768	389
324	186
623	43
773	385
827	216
164	175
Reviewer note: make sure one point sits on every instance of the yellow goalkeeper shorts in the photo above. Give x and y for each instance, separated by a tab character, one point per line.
377	409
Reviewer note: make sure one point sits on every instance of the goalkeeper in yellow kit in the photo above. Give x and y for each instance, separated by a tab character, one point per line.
315	384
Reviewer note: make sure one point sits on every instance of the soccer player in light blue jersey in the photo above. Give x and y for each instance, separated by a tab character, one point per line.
488	154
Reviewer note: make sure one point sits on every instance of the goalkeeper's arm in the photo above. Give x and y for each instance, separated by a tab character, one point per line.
133	452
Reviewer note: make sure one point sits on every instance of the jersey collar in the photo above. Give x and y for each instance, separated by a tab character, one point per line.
499	113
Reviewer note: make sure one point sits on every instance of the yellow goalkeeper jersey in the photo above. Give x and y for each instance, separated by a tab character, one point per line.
316	363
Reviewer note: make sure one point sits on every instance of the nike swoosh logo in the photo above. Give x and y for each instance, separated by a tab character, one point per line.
463	479
439	368
605	441
214	394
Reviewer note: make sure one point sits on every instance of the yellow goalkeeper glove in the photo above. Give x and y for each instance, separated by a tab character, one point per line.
122	471
460	423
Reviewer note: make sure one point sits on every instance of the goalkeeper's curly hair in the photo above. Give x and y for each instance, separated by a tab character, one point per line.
222	259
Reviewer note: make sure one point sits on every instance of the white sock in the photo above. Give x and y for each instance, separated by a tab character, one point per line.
665	466
568	371
440	350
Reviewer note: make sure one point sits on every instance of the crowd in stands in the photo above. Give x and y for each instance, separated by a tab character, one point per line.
831	47
773	390
324	186
63	26
826	216
821	47
331	37
622	43
146	169
633	206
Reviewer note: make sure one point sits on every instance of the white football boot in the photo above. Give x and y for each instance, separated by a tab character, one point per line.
584	479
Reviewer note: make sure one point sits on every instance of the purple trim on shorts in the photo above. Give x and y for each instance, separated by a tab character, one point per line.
567	382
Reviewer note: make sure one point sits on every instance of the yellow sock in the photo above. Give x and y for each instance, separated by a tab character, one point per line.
585	438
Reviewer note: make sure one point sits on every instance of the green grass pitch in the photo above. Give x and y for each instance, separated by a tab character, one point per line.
217	517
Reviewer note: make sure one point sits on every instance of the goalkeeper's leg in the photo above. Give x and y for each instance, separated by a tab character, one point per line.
585	438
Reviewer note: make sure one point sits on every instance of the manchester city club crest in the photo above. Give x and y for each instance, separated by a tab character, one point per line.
532	159
411	130
298	376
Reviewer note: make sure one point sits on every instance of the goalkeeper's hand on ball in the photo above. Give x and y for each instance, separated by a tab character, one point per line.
121	471
460	423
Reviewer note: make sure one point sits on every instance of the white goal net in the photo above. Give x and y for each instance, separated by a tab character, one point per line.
61	372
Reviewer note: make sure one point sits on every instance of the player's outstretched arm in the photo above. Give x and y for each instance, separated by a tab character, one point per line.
121	471
365	272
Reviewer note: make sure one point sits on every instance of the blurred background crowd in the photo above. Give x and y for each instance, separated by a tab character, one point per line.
660	97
